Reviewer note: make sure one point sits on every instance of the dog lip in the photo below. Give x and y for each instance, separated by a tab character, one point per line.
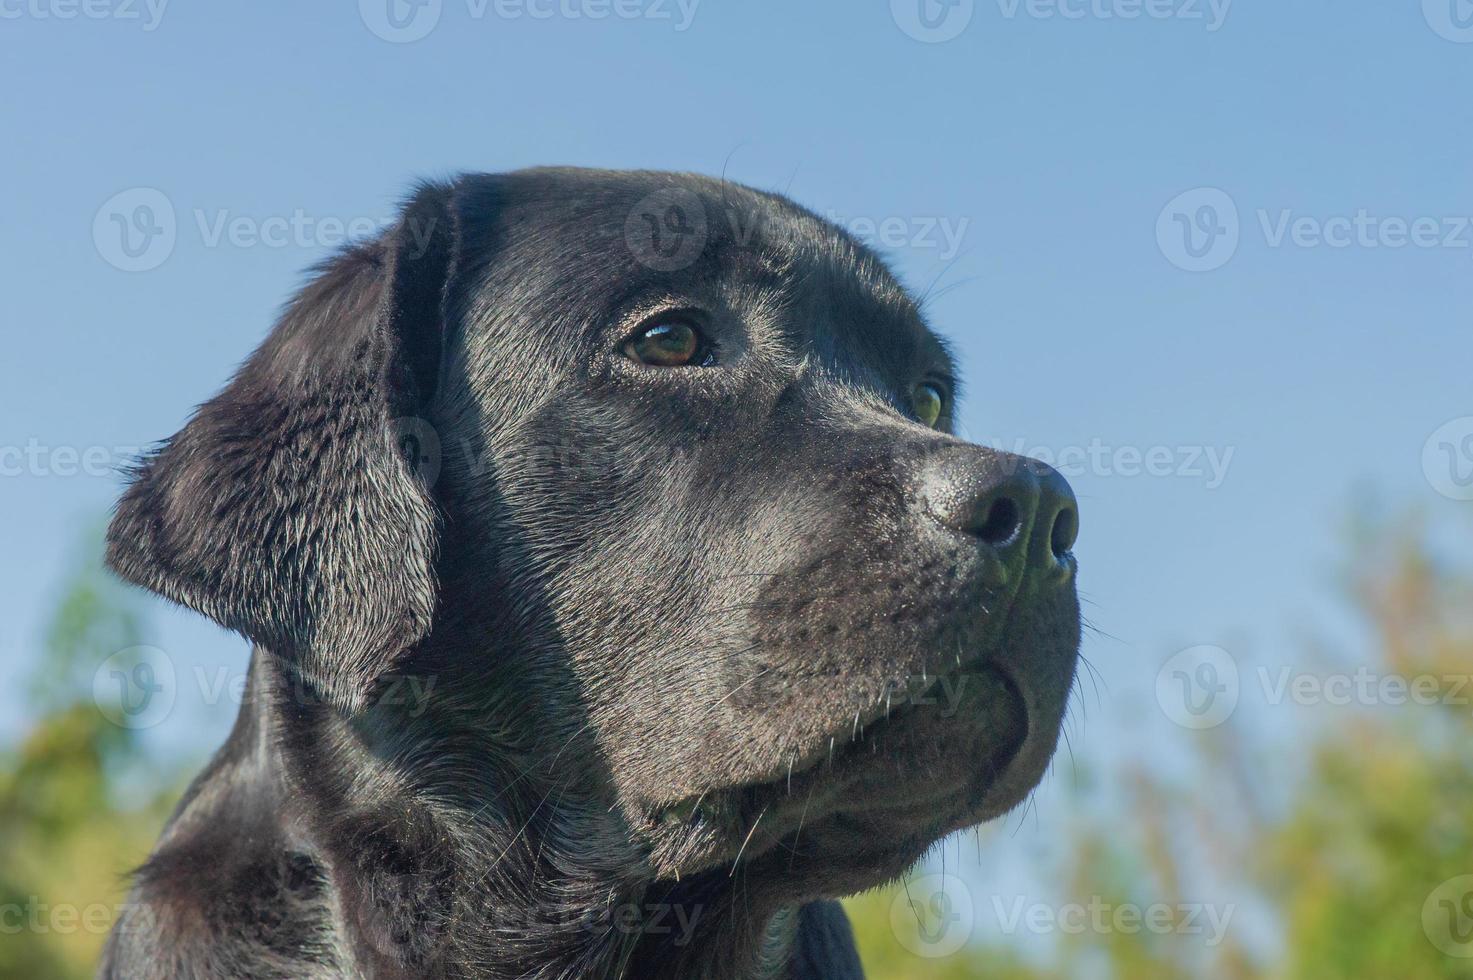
845	740
937	684
726	823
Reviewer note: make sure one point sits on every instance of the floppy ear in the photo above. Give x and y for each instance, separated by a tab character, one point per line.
284	509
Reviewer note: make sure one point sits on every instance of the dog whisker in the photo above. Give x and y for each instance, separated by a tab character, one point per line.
736	861
802	816
761	673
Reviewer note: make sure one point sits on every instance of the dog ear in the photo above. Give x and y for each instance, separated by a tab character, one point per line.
285	509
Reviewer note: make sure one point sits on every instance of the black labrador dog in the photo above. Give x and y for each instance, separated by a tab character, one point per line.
606	557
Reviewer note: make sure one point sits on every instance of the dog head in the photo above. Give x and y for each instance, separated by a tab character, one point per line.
654	474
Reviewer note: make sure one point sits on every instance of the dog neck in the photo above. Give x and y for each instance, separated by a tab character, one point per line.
449	855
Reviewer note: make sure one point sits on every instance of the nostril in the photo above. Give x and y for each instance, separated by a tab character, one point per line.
992	498
1000	523
1065	531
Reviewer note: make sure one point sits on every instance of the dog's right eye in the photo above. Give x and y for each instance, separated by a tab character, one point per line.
929	400
670	342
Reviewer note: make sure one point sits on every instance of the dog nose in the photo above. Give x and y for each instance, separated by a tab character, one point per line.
1021	508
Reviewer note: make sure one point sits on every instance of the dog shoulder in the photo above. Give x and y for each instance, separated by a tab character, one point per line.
225	893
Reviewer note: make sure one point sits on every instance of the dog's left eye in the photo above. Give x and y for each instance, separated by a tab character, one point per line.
669	343
928	400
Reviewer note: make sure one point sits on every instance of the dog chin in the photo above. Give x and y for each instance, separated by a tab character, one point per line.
962	750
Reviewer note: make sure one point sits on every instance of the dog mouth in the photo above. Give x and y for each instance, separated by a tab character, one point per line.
927	757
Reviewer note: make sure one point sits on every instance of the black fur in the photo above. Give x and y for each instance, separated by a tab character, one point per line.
566	666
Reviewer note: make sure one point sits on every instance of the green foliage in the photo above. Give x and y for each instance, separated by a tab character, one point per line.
1388	815
68	833
887	943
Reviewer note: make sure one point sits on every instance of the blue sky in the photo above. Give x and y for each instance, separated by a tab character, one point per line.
1041	163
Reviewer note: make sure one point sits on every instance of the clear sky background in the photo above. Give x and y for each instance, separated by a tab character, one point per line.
1054	151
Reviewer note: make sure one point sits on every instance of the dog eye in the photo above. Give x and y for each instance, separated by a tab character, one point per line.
669	343
927	400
